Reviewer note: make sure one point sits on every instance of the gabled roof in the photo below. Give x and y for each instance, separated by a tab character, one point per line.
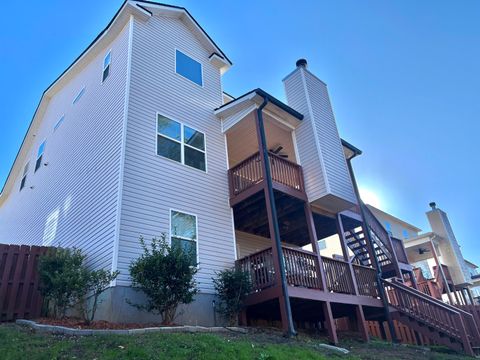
406	224
143	9
256	96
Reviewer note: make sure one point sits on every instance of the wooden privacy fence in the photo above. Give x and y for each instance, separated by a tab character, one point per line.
19	294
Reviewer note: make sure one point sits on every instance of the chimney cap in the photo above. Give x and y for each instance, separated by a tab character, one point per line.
433	205
301	63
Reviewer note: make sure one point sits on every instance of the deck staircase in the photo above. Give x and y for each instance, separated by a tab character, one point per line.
382	243
444	324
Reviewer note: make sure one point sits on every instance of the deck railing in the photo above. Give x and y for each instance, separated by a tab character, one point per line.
366	280
399	250
300	268
301	271
260	267
249	172
338	276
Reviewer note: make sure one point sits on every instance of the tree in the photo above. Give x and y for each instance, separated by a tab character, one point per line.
232	287
166	275
63	279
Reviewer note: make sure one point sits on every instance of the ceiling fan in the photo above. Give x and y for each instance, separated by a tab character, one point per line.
277	150
422	251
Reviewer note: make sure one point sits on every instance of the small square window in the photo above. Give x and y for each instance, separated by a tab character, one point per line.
106	66
40	152
188	68
58	123
24	176
79	95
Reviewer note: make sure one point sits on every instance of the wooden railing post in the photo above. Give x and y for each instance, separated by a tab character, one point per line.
467	346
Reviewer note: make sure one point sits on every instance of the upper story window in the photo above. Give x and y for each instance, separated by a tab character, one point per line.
40	152
181	143
106	66
188	68
24	176
405	234
183	232
388	227
79	95
58	123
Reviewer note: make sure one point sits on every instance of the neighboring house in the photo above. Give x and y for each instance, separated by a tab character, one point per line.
428	251
137	138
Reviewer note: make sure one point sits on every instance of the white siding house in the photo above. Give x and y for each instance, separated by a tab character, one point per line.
132	138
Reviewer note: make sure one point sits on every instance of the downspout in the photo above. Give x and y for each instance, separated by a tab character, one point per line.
381	288
268	178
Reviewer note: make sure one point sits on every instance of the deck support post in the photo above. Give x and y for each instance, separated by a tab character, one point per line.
314	241
375	263
274	229
361	323
330	322
470	296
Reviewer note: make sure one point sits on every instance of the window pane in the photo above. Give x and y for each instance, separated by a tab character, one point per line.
168	148
194	138
183	225
59	122
106	71
188	246
38	163
169	127
41	149
106	61
79	95
194	158
189	68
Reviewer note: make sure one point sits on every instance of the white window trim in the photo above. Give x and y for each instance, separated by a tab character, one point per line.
104	67
79	95
181	237
181	142
193	58
44	141
58	123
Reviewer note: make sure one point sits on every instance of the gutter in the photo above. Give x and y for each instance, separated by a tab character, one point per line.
276	229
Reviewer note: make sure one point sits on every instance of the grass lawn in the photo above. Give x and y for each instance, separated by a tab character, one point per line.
21	343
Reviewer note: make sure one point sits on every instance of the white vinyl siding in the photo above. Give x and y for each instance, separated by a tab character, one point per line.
73	200
152	186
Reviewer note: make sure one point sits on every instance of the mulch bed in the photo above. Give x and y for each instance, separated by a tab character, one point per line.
96	325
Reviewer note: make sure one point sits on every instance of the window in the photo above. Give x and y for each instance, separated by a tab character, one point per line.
58	123
322	244
183	232
425	268
24	176
79	95
405	234
181	143
41	149
388	227
188	68
106	66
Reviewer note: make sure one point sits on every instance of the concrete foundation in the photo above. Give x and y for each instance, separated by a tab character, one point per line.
115	308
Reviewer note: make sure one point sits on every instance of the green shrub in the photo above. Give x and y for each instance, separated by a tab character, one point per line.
166	275
65	283
63	279
98	282
232	287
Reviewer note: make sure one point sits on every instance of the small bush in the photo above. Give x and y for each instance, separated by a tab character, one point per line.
63	279
98	282
166	275
232	287
65	283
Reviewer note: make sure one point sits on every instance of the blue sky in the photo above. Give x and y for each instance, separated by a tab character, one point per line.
403	78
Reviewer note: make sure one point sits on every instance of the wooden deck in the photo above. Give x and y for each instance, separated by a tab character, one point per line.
303	279
247	177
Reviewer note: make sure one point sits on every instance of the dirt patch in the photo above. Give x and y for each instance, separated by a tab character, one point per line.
95	325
